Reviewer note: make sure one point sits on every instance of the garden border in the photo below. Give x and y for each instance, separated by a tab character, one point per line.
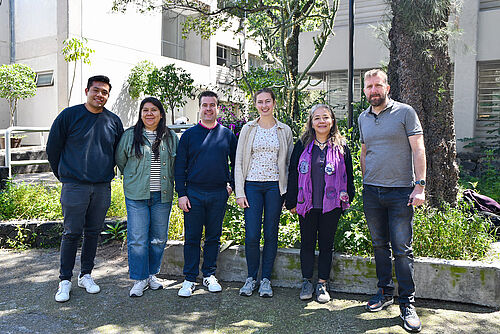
450	280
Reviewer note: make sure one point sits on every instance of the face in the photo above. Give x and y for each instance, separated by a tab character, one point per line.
150	115
265	104
208	109
322	121
97	95
376	90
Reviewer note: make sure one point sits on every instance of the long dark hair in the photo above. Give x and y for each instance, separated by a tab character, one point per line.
161	130
334	136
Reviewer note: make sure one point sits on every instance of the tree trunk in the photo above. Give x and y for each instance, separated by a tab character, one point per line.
419	74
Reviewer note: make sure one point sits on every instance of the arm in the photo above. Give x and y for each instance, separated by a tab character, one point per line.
417	197
56	143
232	159
121	153
362	158
351	190
180	171
293	177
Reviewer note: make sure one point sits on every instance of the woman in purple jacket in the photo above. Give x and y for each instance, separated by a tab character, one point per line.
320	188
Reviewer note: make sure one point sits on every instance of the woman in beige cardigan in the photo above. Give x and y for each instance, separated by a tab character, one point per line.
261	172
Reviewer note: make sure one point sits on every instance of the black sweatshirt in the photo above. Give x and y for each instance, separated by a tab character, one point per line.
202	159
82	144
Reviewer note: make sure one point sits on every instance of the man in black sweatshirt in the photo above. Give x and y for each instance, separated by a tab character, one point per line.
204	183
81	148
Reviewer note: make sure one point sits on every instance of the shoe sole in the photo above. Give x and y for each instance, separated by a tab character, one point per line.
307	297
158	288
62	301
384	305
266	295
412	330
83	287
244	294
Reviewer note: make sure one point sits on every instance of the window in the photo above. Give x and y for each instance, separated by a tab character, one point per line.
487	127
489	4
193	48
226	56
45	78
337	83
255	61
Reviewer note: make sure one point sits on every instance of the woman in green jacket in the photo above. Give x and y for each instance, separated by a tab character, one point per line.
145	156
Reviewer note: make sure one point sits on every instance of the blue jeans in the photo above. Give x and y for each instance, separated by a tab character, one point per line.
390	220
84	207
207	209
262	196
147	232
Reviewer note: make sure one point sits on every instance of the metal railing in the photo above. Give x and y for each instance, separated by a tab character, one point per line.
7	134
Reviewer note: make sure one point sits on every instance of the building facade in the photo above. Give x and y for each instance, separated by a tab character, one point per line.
475	52
32	32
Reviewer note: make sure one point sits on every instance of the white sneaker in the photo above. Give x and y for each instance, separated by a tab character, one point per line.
139	287
212	284
154	283
62	294
187	289
88	283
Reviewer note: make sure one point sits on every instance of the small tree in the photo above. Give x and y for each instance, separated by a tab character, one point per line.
169	84
75	49
17	81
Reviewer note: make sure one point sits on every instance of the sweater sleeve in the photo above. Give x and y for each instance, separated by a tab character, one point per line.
121	152
181	164
232	158
56	141
293	176
351	190
239	190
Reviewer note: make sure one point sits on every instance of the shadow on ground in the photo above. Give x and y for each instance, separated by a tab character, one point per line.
29	281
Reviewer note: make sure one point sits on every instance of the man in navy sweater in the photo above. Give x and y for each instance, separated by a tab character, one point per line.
204	183
81	148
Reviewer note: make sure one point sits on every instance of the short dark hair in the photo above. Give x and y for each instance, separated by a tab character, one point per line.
264	90
208	93
98	78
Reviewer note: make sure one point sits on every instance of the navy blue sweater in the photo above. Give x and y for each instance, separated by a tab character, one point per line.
204	163
81	145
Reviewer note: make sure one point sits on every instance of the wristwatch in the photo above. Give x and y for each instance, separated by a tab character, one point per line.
420	183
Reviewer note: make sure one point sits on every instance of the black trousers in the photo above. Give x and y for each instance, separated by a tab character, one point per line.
318	227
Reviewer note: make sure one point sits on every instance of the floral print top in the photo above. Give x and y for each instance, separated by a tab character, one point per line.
264	160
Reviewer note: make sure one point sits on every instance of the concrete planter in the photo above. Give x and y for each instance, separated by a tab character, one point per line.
459	281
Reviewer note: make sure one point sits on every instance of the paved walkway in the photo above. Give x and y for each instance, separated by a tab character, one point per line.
29	281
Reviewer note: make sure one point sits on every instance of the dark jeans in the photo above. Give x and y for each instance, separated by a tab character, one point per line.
320	227
84	207
262	197
390	220
207	209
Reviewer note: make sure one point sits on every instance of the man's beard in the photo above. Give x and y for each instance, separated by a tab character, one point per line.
377	100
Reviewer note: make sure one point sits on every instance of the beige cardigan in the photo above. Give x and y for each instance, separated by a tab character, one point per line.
244	149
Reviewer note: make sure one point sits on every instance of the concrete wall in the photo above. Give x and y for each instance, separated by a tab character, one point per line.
473	282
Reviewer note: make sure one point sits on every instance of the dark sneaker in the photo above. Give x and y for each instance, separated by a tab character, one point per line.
322	295
379	301
411	321
307	290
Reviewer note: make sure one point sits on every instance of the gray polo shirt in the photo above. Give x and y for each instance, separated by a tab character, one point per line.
388	153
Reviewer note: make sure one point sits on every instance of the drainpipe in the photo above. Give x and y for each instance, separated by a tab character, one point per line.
12	31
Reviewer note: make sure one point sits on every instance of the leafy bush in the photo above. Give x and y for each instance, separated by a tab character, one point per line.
30	201
451	233
39	201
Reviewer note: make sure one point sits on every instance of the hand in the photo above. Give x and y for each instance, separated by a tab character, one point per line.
184	203
293	210
229	190
242	202
417	197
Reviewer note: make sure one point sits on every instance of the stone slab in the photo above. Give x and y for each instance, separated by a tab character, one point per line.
449	280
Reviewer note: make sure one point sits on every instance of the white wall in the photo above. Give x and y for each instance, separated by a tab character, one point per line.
488	43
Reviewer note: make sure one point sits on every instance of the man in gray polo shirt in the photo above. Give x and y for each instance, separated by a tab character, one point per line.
392	157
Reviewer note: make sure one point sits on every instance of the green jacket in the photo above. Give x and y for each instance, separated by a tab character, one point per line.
136	171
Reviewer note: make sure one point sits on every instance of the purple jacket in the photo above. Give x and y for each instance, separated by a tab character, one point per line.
335	181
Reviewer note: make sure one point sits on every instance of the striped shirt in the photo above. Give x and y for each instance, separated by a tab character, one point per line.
155	172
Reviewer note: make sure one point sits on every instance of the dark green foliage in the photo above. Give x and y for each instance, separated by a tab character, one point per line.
118	231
